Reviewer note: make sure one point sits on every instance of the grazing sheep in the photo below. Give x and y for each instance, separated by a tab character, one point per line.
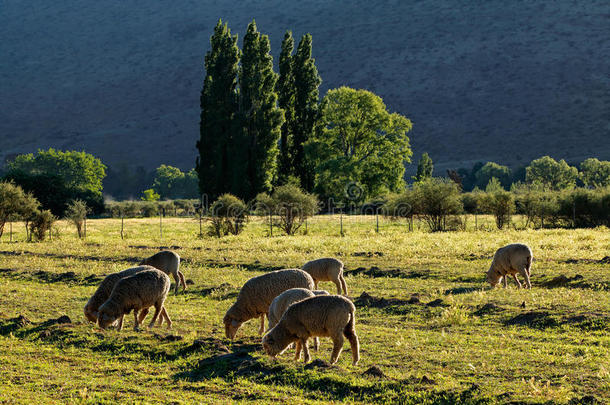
169	263
332	316
256	295
137	292
103	292
510	260
284	300
327	269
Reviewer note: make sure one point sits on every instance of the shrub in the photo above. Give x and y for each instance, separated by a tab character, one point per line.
228	215
291	205
15	204
76	212
434	200
501	204
41	222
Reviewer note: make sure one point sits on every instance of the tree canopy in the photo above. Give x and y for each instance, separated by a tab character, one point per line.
595	173
360	143
551	174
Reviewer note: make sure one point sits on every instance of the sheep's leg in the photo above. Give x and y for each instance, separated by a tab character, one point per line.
505	279
297	353
261	330
158	307
120	325
337	347
338	284
316	343
136	320
527	279
305	350
315	284
354	345
343	284
182	282
165	316
177	280
517	281
142	315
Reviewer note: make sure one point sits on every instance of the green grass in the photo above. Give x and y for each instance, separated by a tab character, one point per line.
555	350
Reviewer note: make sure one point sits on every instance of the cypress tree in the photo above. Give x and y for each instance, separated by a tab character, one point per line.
261	119
286	95
218	114
424	167
306	110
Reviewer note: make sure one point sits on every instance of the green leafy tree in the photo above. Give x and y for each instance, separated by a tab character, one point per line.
424	168
168	181
500	203
361	144
434	200
493	185
56	177
490	170
261	119
150	195
306	111
218	123
291	206
551	174
15	204
595	173
286	90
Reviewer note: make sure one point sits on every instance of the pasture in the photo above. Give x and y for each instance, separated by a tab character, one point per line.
430	329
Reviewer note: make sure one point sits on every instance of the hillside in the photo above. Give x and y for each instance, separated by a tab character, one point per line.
483	80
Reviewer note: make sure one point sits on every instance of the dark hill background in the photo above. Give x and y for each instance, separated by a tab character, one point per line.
481	80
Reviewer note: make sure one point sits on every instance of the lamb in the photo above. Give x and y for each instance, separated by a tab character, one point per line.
332	316
327	269
284	300
105	289
256	295
137	292
510	260
168	262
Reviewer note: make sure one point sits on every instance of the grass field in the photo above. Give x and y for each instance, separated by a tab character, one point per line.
472	345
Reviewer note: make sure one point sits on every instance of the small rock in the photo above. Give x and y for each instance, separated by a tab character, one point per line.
523	304
189	282
436	303
414	299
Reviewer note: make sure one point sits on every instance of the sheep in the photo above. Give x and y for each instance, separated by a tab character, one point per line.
327	269
105	289
137	292
168	262
284	300
510	260
331	315
256	295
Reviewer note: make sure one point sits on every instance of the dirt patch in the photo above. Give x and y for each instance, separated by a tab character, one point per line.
534	319
589	321
225	291
189	282
318	364
472	257
21	321
605	260
375	371
375	271
367	254
461	290
488	309
561	281
366	300
63	319
168	338
437	303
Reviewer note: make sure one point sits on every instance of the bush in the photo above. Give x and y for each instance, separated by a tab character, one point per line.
228	215
15	204
501	204
41	223
76	212
434	200
290	204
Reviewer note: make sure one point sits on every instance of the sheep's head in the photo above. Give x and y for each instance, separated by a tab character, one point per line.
231	326
90	315
105	319
493	278
275	342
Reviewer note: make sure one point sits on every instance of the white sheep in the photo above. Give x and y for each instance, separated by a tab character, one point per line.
137	292
510	260
284	300
327	269
168	262
257	293
332	316
105	289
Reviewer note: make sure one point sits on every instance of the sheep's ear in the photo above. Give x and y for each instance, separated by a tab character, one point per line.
234	323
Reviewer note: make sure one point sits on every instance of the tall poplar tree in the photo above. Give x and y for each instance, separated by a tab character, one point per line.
286	96
306	110
219	104
261	118
424	168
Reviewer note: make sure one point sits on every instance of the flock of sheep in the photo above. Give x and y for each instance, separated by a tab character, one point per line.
296	310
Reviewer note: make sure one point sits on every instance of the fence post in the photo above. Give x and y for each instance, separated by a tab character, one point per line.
160	222
85	230
574	214
377	220
270	223
10	232
122	224
341	220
